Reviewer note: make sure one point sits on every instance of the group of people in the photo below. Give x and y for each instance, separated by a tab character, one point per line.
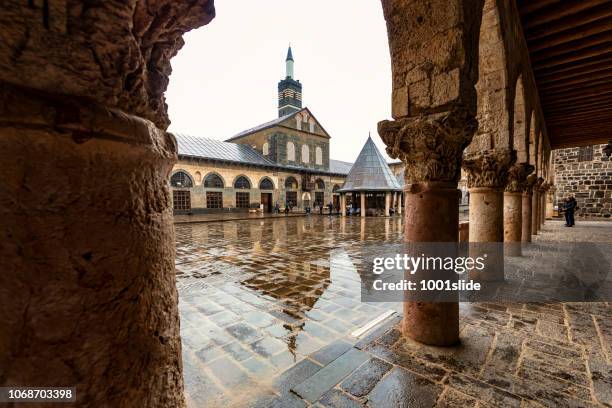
569	206
320	207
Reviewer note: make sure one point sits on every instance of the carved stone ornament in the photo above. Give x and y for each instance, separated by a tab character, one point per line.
517	177
544	188
529	184
538	184
488	168
430	146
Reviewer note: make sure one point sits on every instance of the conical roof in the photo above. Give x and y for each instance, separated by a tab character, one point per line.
370	172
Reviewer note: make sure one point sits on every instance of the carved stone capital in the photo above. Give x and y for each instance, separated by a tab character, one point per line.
544	187
530	183
517	177
488	168
430	146
538	184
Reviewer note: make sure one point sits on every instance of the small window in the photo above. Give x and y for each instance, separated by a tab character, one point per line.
320	184
242	200
585	153
319	155
266	184
213	181
336	188
181	200
214	199
291	183
265	149
311	125
242	182
305	154
290	151
181	179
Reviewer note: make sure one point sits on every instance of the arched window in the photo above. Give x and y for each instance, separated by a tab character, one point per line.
291	183
311	125
213	181
318	155
266	184
242	182
298	121
290	151
266	149
198	177
320	184
181	179
336	188
305	154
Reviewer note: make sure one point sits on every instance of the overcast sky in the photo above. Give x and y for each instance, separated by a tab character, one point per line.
224	79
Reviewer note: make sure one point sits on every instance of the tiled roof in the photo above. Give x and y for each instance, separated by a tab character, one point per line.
339	167
218	150
260	127
370	172
211	149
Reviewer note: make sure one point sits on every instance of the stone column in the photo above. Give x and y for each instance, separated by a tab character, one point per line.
550	198
87	285
400	202
387	201
535	207
487	173
431	148
362	211
513	208
526	208
343	204
543	193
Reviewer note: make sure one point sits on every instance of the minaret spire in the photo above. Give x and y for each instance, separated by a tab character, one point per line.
289	62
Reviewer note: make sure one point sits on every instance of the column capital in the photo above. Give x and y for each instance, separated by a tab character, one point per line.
538	184
544	187
517	177
488	168
530	183
430	146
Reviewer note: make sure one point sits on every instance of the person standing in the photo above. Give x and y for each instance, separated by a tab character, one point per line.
570	206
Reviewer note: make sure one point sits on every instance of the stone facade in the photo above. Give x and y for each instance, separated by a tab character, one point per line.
585	173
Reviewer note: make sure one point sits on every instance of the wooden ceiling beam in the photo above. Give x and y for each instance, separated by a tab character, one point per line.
574	56
567	8
577	81
602	58
576	73
582	19
574	34
572	47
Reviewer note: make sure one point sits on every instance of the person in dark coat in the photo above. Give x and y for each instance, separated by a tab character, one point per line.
569	207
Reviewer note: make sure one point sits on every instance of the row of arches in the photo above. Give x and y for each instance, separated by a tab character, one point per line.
182	179
292	184
305	157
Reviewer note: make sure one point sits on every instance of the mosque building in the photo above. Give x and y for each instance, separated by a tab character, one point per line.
284	161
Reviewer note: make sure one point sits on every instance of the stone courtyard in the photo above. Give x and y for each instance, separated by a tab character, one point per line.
268	307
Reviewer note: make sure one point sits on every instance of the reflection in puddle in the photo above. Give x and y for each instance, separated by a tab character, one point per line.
257	296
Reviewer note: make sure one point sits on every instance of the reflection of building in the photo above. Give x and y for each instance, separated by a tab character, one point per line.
285	160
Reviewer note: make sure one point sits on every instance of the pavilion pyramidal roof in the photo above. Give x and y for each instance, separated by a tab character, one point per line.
370	172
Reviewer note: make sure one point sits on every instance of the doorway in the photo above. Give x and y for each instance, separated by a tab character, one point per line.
266	201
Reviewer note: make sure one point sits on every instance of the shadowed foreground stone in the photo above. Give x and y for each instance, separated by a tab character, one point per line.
87	290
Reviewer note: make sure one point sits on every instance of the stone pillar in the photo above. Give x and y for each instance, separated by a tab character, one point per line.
400	202
487	173
513	208
543	193
550	202
535	207
343	204
526	208
387	201
87	290
432	203
362	211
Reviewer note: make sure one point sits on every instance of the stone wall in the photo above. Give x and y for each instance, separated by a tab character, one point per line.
589	181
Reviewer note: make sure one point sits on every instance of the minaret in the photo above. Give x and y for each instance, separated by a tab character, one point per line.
289	90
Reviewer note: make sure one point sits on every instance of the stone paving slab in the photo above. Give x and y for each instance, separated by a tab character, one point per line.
262	317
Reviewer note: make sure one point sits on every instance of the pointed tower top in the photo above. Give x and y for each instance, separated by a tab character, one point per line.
289	54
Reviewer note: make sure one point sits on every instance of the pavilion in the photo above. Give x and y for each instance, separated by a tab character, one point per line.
371	184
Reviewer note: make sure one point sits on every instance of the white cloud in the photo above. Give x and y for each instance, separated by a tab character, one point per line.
225	78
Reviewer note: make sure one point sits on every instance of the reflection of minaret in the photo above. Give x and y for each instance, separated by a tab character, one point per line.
289	90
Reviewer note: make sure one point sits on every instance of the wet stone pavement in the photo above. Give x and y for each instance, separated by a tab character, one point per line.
267	308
